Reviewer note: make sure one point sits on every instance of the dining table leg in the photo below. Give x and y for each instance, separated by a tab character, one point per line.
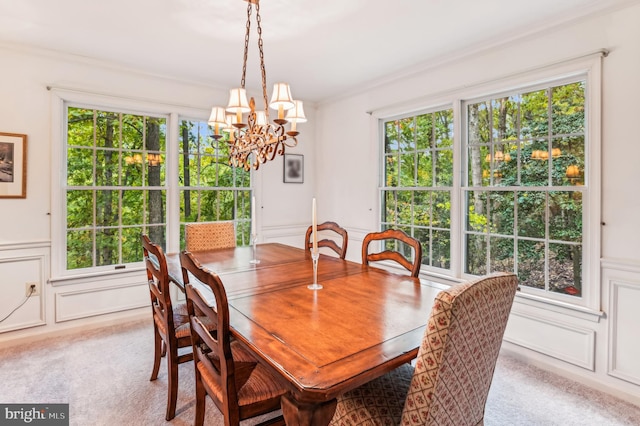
297	413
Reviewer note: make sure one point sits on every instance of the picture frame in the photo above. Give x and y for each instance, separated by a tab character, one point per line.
13	165
293	168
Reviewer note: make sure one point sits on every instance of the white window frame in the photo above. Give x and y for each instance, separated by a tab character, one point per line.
448	272
590	68
60	99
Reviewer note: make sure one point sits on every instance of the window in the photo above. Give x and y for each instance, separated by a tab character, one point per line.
418	178
125	173
115	185
525	186
210	189
525	193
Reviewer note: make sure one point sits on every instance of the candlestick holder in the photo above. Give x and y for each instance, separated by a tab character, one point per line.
254	258
315	286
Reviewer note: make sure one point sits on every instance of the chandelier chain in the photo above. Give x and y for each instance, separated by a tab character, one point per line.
246	46
262	67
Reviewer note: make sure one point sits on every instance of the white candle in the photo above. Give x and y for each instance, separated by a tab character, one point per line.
253	216
315	228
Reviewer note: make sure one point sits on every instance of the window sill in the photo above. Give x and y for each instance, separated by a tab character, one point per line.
575	311
534	301
83	277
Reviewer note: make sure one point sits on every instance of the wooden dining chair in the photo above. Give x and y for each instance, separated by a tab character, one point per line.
341	249
238	385
454	368
397	237
201	236
171	328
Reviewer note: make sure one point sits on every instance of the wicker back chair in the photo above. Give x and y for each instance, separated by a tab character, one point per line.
201	236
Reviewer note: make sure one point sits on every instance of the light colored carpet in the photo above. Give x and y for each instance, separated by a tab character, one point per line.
104	376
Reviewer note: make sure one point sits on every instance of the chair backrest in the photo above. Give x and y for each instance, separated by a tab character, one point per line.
212	350
459	351
201	236
158	279
341	250
396	236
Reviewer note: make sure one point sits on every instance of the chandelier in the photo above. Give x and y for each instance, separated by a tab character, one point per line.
257	140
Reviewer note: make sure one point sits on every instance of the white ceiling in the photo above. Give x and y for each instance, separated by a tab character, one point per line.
321	47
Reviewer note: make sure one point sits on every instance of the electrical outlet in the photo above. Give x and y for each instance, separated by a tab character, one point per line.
35	291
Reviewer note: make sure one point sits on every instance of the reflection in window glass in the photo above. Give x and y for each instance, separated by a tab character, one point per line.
526	151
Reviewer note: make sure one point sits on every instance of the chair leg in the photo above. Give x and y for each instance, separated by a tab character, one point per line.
200	400
172	370
157	349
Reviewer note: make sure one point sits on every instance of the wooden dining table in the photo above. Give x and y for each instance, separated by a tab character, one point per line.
364	322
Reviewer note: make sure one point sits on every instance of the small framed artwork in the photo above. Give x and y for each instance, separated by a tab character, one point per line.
13	165
293	168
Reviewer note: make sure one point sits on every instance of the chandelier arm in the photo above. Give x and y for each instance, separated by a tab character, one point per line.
246	45
274	150
292	141
262	67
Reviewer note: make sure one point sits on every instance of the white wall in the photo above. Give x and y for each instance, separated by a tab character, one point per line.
340	145
25	239
597	349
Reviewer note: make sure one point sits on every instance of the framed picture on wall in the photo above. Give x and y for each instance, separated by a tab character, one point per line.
13	165
293	168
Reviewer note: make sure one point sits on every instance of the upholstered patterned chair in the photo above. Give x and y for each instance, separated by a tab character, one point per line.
397	237
209	235
454	368
341	250
239	386
171	329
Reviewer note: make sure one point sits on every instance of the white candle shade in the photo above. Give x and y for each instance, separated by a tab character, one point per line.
261	118
296	114
281	97
218	116
238	101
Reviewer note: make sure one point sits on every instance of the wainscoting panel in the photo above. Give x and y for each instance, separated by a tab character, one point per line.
566	342
16	272
624	317
71	305
292	235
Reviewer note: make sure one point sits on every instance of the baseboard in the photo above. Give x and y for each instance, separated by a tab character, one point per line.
35	334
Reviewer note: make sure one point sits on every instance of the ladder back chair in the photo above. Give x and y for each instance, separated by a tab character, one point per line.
398	237
170	322
341	250
238	385
201	236
454	368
